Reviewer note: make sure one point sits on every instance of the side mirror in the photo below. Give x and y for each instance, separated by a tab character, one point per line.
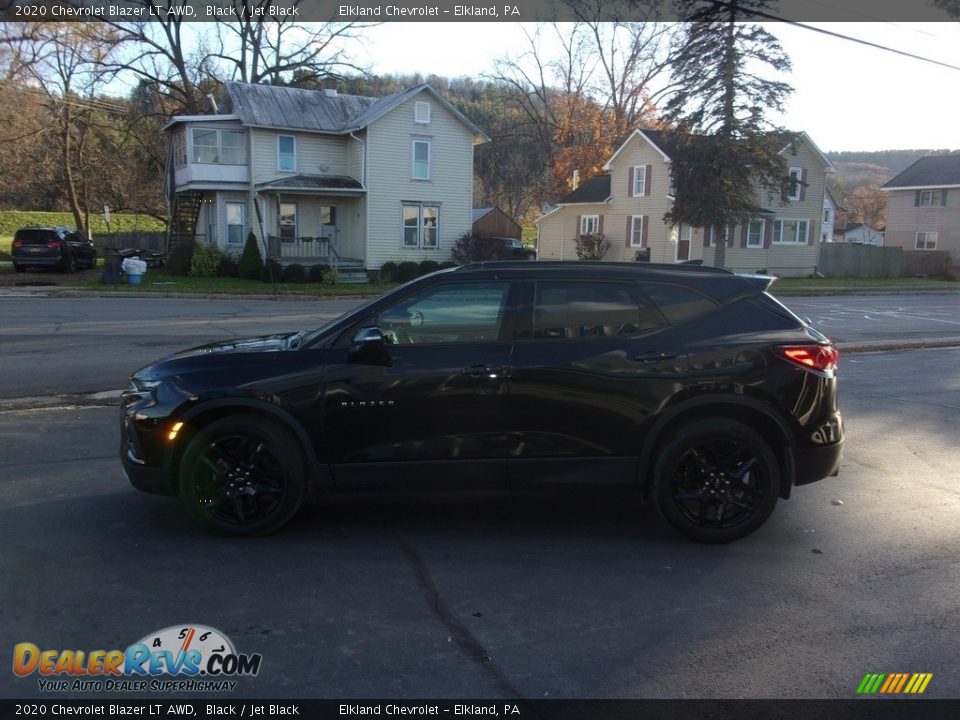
368	337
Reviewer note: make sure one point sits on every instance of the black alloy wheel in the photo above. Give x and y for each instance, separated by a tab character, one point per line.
716	481
243	475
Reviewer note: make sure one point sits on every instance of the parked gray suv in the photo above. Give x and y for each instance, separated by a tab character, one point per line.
52	247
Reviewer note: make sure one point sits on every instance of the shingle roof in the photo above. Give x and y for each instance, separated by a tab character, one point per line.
311	182
594	190
480	212
929	171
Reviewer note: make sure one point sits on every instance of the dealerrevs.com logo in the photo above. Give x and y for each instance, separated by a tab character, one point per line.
180	658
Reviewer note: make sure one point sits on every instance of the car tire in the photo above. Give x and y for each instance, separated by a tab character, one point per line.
70	264
243	475
716	480
19	268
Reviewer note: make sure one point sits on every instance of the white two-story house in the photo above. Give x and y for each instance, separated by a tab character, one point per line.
320	176
627	205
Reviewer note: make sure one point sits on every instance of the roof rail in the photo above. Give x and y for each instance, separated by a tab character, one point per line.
528	264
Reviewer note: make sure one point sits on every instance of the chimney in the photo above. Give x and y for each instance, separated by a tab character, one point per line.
330	87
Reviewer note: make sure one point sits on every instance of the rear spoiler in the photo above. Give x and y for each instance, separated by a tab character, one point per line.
758	281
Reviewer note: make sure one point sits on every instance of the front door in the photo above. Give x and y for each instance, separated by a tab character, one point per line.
428	412
328	226
683	242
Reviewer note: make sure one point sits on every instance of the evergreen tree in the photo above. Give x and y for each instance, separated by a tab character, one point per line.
724	147
251	261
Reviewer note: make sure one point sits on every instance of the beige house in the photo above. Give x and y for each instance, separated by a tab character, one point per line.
627	206
322	177
923	210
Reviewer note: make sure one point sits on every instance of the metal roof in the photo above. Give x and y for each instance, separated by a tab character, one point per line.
311	182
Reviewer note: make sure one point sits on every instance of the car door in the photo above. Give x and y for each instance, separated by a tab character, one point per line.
592	362
426	411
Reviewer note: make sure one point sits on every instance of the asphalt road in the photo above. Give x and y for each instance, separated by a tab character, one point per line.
82	345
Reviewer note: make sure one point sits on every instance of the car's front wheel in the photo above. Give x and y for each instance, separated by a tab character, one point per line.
716	480
243	475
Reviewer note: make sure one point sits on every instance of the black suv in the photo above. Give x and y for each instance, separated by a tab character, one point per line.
690	384
514	249
52	247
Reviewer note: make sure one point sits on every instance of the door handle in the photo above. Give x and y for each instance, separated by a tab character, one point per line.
653	356
480	370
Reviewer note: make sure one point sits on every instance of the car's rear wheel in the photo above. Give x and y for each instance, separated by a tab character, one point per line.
716	481
19	268
70	264
243	475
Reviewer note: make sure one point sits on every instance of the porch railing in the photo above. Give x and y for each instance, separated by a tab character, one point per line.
302	248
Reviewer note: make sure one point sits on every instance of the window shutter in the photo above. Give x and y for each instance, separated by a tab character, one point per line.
810	235
646	188
943	198
916	199
643	231
630	183
743	234
629	229
600	225
767	233
803	184
579	225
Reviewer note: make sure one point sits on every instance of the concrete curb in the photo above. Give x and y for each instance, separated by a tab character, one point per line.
106	398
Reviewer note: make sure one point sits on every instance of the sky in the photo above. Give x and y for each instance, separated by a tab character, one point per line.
846	96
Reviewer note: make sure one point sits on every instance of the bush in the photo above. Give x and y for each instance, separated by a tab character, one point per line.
388	272
206	261
592	246
317	271
272	272
295	273
251	261
447	264
229	267
180	258
427	267
478	248
330	277
407	271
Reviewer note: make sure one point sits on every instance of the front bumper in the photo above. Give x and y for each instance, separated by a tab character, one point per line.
148	479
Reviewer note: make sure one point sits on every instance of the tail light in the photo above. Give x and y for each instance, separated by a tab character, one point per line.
18	243
812	357
54	244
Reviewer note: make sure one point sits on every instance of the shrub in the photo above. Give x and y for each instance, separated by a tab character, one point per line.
427	267
295	273
447	264
229	267
206	261
272	272
388	272
592	246
251	261
178	262
317	271
477	248
407	271
330	277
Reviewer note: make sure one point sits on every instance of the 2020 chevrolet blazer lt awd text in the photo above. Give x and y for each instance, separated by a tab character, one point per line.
689	384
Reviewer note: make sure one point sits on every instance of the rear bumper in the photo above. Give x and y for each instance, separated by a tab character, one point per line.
32	261
817	463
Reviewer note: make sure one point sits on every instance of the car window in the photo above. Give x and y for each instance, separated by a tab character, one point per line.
678	304
570	309
450	313
35	236
516	244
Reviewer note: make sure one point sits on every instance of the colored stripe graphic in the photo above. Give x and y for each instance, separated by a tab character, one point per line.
894	683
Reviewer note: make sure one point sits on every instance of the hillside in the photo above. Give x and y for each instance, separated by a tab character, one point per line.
860	169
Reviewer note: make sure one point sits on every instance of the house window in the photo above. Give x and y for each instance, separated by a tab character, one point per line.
421	226
286	153
929	198
790	232
288	222
639	180
722	234
755	234
636	231
235	213
421	113
420	152
926	241
796	177
589	224
826	217
219	147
